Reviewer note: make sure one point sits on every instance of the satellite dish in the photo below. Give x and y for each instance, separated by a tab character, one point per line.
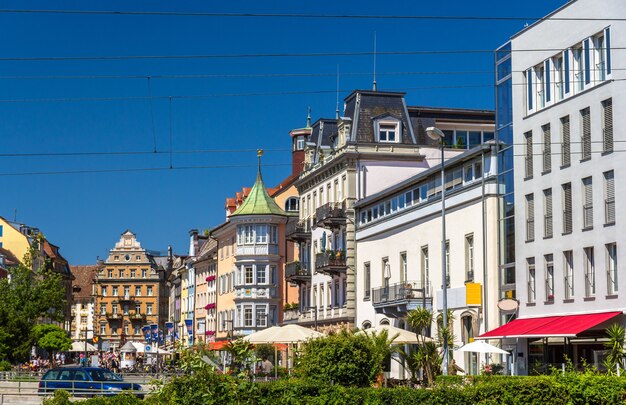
508	305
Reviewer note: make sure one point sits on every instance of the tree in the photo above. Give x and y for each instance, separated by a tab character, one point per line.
51	338
426	356
615	347
343	358
27	296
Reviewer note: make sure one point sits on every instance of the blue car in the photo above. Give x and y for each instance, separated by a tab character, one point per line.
86	381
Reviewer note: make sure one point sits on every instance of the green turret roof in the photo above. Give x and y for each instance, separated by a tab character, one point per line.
259	201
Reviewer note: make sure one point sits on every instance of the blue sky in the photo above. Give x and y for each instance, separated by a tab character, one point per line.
85	213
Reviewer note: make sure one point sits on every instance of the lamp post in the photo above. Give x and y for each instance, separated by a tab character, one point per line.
436	134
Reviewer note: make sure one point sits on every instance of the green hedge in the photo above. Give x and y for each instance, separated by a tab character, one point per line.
209	388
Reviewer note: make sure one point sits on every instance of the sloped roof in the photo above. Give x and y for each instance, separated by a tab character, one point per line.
259	202
84	276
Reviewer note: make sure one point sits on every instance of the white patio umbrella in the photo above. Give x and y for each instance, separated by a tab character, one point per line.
283	334
288	334
83	347
400	336
480	346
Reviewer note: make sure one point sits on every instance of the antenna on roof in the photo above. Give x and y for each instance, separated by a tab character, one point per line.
308	119
374	84
337	108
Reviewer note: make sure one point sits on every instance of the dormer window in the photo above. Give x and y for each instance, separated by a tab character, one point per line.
291	205
388	130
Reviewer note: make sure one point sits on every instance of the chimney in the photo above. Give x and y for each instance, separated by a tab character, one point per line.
193	242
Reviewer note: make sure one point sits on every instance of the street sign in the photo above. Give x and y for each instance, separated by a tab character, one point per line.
148	348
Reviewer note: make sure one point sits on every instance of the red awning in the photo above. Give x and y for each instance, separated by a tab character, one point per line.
559	326
219	345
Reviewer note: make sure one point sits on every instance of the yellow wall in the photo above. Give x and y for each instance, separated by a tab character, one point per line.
13	240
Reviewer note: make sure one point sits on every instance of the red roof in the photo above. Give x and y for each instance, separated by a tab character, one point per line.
561	326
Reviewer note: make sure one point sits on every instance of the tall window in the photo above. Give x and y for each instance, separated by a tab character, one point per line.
590	273
149	291
607	125
565	141
261	316
547	148
577	54
424	265
528	158
585	133
559	77
404	269
103	290
530	217
469	257
609	197
249	275
600	57
549	277
103	309
115	290
568	274
291	205
530	264
547	213
541	84
611	268
138	291
587	203
261	274
385	271
247	315
567	207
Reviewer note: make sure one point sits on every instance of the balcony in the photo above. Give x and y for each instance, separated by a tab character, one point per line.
397	299
331	262
137	317
113	317
125	298
297	272
331	215
298	231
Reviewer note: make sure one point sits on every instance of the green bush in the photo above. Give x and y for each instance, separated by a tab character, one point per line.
5	365
344	359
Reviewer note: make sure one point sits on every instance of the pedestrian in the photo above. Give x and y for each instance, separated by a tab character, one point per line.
453	368
267	366
62	358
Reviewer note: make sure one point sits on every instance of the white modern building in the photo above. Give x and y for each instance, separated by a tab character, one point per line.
399	249
561	79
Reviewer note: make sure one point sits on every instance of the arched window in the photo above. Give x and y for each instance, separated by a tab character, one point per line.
384	321
291	205
366	325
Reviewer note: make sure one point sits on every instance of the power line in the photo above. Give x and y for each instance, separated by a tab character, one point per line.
250	94
141	169
175	152
275	55
307	15
264	75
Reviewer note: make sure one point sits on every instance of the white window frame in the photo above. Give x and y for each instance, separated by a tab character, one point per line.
568	274
590	273
611	269
532	280
388	123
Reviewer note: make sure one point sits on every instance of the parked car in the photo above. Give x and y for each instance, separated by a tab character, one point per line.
86	381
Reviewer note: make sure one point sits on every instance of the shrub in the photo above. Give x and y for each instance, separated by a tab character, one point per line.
5	365
344	359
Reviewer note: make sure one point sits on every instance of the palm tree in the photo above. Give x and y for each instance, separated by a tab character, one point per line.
615	356
426	356
383	349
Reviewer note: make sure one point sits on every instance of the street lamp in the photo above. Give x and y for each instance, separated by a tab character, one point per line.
436	134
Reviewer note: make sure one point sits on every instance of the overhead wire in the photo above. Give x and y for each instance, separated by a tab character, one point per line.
306	15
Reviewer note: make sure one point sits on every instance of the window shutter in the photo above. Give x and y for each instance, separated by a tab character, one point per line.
567	208
587	61
530	217
565	141
548	213
587	203
607	36
529	154
609	198
607	130
586	133
566	63
547	148
547	79
529	84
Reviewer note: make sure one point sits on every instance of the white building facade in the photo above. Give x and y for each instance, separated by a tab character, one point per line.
399	250
567	131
